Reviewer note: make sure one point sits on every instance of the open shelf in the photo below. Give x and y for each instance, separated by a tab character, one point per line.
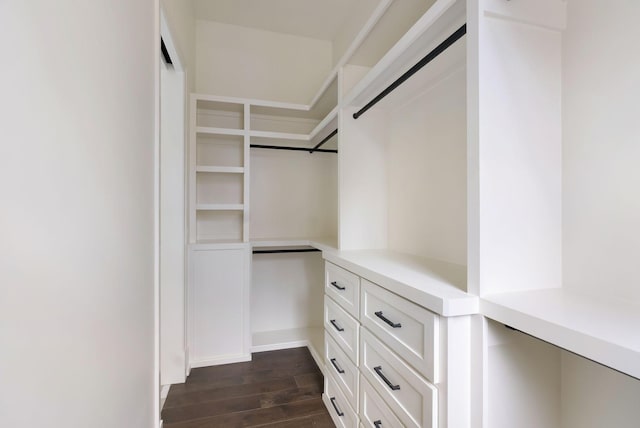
279	135
220	207
324	244
607	332
221	169
204	130
442	19
213	115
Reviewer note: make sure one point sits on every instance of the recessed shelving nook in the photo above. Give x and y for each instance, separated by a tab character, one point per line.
263	176
218	171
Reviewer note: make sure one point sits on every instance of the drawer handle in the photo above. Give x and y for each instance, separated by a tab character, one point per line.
333	401
333	361
387	320
336	326
377	424
335	284
384	378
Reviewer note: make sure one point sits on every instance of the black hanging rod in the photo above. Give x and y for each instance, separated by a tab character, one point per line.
413	70
299	149
165	52
298	250
327	138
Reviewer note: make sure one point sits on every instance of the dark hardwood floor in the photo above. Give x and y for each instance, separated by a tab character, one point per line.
276	389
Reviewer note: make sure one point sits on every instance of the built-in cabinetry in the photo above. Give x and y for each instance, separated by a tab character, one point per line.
390	362
259	190
460	204
473	166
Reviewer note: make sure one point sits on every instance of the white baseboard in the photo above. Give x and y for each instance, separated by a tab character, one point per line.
228	359
164	392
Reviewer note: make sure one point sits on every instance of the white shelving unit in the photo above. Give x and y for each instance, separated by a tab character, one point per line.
461	192
219	162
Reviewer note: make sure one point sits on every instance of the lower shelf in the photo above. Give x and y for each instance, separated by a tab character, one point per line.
312	337
603	331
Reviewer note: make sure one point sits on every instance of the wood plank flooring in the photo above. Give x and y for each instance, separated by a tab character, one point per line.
276	389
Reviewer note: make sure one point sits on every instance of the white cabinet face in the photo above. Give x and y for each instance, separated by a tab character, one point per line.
218	308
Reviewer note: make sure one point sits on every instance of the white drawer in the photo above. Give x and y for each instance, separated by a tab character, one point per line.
337	405
342	327
412	399
343	287
343	370
408	329
374	412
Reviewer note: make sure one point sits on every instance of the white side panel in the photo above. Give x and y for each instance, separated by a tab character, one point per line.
77	258
594	396
219	305
426	165
172	228
362	180
519	157
523	381
601	149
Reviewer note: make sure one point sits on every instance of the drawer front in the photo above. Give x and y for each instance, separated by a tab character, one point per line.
408	329
337	405
412	399
374	412
343	369
342	327
343	287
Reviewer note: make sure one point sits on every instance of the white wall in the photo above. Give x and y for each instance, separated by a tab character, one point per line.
293	194
243	62
523	381
286	291
594	396
601	149
172	228
77	115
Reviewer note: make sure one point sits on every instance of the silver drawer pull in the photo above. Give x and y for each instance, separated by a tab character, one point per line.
333	401
336	326
378	370
387	320
338	369
335	284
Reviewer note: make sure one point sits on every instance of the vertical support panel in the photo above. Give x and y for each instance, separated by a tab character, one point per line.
246	176
219	330
193	144
172	227
519	156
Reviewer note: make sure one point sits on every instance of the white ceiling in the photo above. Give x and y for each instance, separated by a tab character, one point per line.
318	19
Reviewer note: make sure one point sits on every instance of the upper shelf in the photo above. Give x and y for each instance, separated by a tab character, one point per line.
607	332
433	284
436	25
